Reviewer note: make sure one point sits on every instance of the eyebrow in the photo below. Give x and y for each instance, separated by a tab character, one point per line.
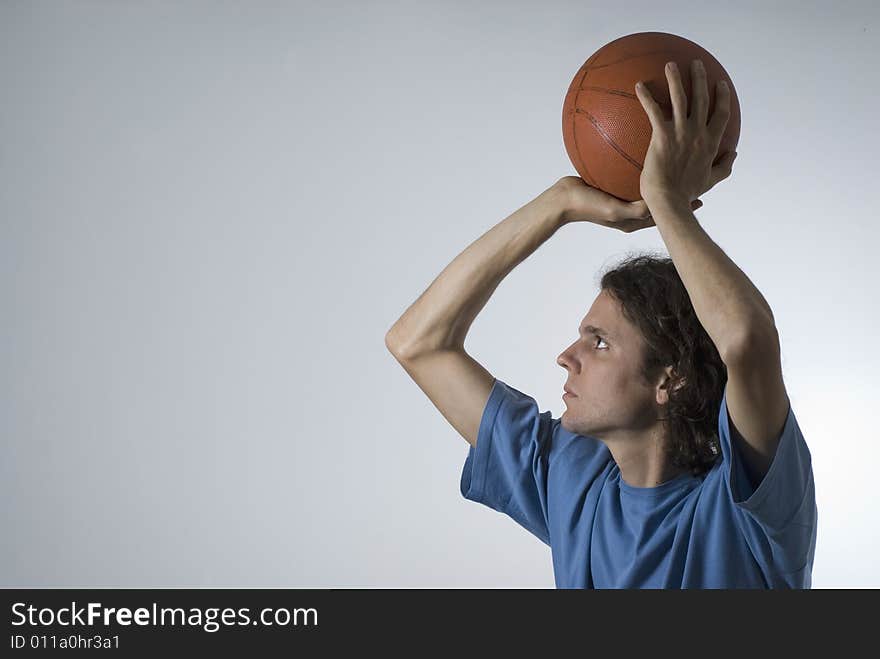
591	329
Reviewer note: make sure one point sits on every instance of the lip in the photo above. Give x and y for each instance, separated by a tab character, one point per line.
568	394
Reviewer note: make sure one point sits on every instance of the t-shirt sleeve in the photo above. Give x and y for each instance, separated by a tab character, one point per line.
508	468
782	508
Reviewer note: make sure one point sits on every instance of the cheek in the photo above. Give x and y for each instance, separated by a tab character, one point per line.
608	379
602	380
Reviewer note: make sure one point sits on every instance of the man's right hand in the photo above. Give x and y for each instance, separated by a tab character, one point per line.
584	203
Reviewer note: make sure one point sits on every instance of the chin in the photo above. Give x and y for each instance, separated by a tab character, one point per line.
568	424
574	425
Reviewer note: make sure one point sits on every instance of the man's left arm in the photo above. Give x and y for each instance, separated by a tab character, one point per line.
679	166
739	321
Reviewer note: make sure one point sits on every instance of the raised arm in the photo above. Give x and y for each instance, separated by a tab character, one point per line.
428	339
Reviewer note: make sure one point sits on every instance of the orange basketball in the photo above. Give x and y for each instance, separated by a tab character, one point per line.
604	126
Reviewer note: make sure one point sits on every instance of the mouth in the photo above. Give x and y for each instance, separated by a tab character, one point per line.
568	394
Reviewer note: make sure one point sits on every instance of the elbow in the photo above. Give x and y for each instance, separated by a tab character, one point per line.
392	342
755	340
409	347
397	344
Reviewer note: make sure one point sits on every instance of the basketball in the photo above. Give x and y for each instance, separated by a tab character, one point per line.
604	126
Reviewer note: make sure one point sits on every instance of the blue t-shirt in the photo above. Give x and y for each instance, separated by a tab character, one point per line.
711	531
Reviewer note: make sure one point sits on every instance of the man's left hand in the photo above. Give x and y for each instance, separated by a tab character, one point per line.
678	164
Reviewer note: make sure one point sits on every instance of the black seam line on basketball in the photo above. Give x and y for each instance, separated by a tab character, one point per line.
669	53
577	149
608	140
616	92
581	81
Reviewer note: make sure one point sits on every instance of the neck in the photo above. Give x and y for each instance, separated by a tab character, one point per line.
643	463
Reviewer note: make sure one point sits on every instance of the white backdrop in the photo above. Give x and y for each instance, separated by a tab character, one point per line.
212	212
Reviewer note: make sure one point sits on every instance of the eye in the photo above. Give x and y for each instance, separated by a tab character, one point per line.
599	338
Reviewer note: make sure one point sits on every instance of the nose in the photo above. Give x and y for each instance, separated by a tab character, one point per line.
564	360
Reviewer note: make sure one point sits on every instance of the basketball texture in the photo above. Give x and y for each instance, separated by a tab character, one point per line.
604	126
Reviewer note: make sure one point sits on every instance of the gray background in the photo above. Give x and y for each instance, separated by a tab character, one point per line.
211	213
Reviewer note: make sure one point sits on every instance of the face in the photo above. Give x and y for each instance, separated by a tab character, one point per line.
611	401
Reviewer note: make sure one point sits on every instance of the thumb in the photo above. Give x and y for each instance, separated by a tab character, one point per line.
638	210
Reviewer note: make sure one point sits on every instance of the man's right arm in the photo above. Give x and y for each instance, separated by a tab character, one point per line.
428	339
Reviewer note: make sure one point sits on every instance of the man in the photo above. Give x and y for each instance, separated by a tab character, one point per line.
678	462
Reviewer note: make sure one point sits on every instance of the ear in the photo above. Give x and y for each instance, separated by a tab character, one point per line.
667	384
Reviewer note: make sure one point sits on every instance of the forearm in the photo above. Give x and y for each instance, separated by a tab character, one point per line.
443	314
727	304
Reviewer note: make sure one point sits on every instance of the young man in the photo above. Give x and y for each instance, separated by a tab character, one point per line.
678	462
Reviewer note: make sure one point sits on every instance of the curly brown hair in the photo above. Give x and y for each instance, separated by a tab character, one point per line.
654	299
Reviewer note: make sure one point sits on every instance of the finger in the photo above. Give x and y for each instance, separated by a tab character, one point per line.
618	211
721	113
699	94
679	98
647	220
638	210
650	105
724	168
637	225
634	210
